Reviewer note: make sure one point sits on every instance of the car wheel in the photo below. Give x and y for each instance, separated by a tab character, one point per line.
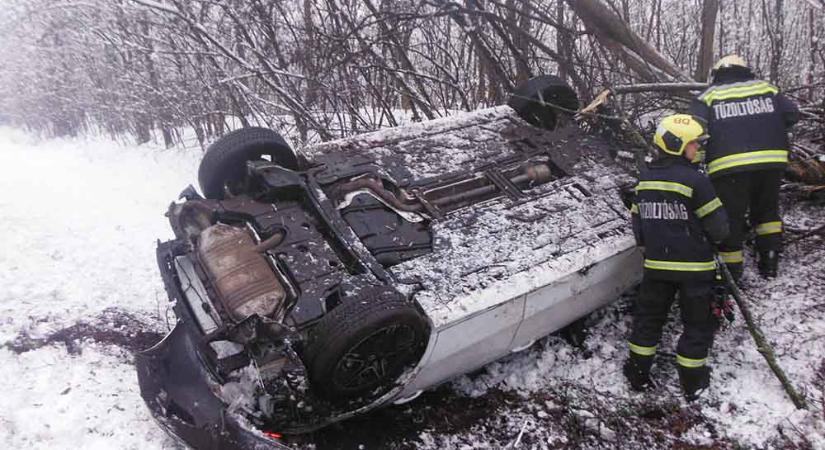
543	100
224	163
362	346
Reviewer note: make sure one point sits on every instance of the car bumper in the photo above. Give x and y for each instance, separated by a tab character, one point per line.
179	390
179	393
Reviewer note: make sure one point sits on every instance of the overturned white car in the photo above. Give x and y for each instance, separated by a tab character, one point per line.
362	271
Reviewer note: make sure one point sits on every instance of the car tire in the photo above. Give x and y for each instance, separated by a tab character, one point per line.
361	347
533	98
225	160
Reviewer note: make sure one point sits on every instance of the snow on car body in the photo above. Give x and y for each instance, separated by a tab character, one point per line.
381	266
528	267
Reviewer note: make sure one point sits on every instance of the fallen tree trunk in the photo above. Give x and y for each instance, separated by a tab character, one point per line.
762	344
615	34
659	87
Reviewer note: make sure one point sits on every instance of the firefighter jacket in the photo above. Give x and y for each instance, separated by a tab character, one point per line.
747	122
676	218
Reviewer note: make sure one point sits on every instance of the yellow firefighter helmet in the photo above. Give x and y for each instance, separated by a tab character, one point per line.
675	132
730	61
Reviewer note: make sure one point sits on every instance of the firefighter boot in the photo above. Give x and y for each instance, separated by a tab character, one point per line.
694	380
768	263
637	371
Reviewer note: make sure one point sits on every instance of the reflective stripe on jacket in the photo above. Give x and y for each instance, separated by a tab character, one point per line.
675	216
747	122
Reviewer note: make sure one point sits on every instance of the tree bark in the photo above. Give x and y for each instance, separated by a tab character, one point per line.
615	34
710	9
564	46
400	55
491	65
762	345
519	22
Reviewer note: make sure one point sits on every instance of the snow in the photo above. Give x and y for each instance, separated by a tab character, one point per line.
745	403
434	147
515	248
55	400
80	217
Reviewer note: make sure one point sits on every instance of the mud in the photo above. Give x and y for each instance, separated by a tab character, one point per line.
441	411
112	327
567	417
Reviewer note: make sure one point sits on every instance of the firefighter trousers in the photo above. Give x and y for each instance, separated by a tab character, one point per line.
757	192
652	308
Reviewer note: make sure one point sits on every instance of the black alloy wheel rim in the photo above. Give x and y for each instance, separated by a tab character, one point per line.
379	357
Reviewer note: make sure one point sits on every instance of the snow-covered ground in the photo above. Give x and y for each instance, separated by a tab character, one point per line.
79	221
80	217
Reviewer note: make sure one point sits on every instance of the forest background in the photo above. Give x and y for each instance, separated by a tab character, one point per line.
321	69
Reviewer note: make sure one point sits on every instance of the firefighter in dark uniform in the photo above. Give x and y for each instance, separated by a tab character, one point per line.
677	218
747	153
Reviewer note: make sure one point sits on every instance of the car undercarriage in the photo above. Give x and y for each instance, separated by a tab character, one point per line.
310	288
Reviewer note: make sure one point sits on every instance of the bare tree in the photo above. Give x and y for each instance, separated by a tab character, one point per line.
320	69
705	58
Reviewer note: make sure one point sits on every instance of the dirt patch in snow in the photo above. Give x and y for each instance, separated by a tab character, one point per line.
111	327
441	411
568	416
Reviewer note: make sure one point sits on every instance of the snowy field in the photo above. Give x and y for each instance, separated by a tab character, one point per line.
80	219
81	292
